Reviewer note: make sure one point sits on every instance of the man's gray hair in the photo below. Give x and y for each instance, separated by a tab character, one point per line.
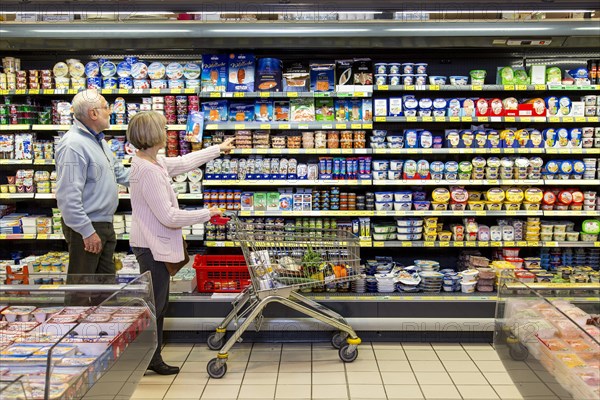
85	101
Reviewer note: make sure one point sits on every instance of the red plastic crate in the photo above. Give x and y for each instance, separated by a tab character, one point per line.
221	274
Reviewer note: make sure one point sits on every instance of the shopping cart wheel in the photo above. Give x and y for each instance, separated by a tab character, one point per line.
215	369
347	355
339	339
213	343
518	352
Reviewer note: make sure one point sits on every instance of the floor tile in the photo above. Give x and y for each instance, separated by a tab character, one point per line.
453	355
295	356
445	392
511	365
367	392
177	347
295	367
174	356
394	366
294	378
498	378
366	353
390	355
184	392
293	392
201	356
257	392
468	378
404	392
150	391
398	378
427	366
360	365
484	355
193	366
535	389
264	367
364	378
220	392
491	366
477	346
559	391
508	392
447	346
297	347
477	392
328	378
184	378
433	378
328	354
260	378
525	377
328	366
261	356
230	378
152	378
387	346
416	346
329	391
266	347
239	356
421	355
460	366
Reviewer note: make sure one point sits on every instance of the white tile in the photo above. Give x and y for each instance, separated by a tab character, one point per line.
154	379
447	346
453	355
387	346
260	378
293	392
498	378
389	355
329	392
559	391
265	356
393	366
538	390
328	366
184	378
239	356
366	353
266	347
360	365
398	378
460	366
421	355
184	392
445	392
177	347
257	392
367	392
295	367
234	366
525	377
220	392
403	392
294	378
150	391
328	354
491	366
260	366
364	378
295	356
468	378
427	366
329	378
230	378
484	355
193	366
508	392
297	347
416	346
203	356
174	356
477	392
477	346
433	378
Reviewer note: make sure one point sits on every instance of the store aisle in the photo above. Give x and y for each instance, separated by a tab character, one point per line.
314	371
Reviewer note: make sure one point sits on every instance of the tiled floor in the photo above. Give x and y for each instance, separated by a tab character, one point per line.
314	371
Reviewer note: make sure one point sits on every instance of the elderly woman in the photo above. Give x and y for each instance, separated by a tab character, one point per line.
156	236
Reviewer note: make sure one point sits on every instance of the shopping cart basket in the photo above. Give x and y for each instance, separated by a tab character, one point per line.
280	263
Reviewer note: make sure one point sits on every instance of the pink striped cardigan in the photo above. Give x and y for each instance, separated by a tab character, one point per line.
157	220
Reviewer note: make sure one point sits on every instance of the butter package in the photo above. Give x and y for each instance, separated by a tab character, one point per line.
241	112
263	110
481	140
343	69
240	70
355	110
260	201
324	110
494	141
268	75
281	110
395	106
322	77
214	73
362	72
296	78
367	110
302	110
411	139
342	107
452	139
195	127
381	107
215	110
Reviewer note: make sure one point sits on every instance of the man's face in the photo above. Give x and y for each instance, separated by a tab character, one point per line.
101	115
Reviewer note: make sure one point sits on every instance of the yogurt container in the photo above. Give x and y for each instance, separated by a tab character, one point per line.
382	68
92	69
156	70
437	80
459	80
124	69
108	69
139	70
174	71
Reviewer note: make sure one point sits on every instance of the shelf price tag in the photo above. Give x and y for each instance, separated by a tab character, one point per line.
264	94
411	119
239	94
471	244
444	244
467	119
406	244
476	87
539	87
509	87
454	119
509	243
427	119
34	91
356	126
522	244
521	87
154	91
434	87
483	119
568	119
265	126
239	126
428	244
554	119
380	119
484	244
459	244
340	126
367	126
378	244
215	94
592	119
525	119
496	244
292	94
409	87
303	126
552	244
509	119
285	126
579	119
212	126
383	87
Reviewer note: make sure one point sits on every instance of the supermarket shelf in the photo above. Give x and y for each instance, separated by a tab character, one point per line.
15	162
67	127
460	151
572	182
491	88
16	236
20	127
103	91
572	151
15	196
371	213
59	236
213	243
285	95
301	151
364	182
288	125
45	196
396	243
488	119
432	182
571	213
43	162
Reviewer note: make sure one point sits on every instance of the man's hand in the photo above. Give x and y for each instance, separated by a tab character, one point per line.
93	243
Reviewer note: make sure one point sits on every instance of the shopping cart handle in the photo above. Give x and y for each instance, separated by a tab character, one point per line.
219	220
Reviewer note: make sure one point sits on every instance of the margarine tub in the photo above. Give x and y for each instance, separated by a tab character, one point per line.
174	70
531	206
514	195
430	221
534	195
495	195
455	206
439	206
476	205
124	69
445	236
61	69
440	195
459	195
474	195
493	206
512	206
92	69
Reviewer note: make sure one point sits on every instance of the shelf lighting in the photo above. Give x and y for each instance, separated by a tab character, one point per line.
511	29
588	28
341	30
282	12
111	30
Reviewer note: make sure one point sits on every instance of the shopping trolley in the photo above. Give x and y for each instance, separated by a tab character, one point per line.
280	263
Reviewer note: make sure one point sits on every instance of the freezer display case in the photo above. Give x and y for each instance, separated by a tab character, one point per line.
83	340
548	338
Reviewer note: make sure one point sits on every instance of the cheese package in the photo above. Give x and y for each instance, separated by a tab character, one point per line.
214	73
240	70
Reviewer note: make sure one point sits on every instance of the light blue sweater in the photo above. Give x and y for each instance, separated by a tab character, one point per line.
87	176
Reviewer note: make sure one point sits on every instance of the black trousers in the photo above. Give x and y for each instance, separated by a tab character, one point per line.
160	286
89	268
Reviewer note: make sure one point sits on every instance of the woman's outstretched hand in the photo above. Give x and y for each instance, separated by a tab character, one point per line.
227	146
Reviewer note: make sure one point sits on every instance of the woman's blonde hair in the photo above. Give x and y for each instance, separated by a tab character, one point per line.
147	129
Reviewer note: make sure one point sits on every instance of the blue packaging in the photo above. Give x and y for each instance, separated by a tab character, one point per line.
125	83
411	139
241	112
269	75
108	69
342	107
575	135
240	72
139	70
467	108
94	83
102	61
109	83
124	69
355	110
131	60
215	110
92	69
195	127
322	77
263	110
214	73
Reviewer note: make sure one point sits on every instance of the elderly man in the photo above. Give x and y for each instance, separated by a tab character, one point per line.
87	194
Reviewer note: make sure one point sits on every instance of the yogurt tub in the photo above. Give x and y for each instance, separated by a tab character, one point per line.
396	165
420	79
383	236
394	79
409	230
409	222
572	236
394	175
381	79
408	79
560	237
429	238
421	205
408	68
383	196
588	237
469	275
491	206
439	206
437	80
394	68
459	80
560	228
444	236
458	206
531	206
546	236
381	68
408	237
398	206
476	205
420	68
379	175
403	197
468	287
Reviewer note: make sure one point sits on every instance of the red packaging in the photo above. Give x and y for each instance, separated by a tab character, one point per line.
565	197
549	198
496	108
482	108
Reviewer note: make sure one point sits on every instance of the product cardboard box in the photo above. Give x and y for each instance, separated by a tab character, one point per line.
537	74
381	107
263	110
268	75
214	73
240	70
260	201
324	110
273	201
322	77
296	77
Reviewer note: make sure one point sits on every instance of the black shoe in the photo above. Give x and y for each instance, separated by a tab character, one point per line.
162	368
